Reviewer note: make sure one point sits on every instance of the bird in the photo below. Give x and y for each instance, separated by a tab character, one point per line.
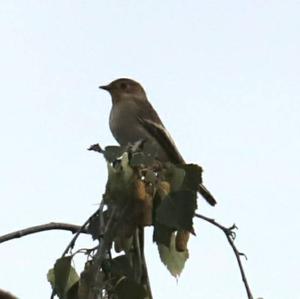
132	118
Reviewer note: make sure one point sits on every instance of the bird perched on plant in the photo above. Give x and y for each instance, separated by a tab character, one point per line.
132	118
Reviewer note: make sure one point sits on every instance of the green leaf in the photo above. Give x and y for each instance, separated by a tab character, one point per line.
162	234
90	279
112	152
63	276
173	259
73	291
128	289
175	176
51	278
140	158
177	210
86	280
121	265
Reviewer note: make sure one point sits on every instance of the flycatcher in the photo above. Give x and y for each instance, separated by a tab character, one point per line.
132	118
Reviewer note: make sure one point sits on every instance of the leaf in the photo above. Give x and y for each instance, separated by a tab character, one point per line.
128	289
140	158
162	234
177	209
87	282
173	259
150	177
96	148
51	277
121	265
94	228
123	243
175	176
113	152
127	171
193	176
73	291
63	276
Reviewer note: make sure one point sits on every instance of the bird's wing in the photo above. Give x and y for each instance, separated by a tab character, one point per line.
149	119
162	136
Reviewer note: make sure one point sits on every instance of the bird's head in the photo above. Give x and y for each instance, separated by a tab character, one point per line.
125	89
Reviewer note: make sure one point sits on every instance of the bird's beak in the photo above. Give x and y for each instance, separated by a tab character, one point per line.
105	87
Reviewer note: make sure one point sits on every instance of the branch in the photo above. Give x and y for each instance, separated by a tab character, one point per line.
39	228
109	230
230	235
108	233
81	229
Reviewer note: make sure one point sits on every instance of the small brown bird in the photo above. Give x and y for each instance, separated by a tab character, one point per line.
6	295
132	118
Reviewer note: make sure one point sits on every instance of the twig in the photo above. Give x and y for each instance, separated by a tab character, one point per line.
230	235
80	230
137	261
39	228
108	235
144	264
103	246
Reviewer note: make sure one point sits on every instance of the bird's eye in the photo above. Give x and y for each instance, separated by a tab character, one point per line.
123	85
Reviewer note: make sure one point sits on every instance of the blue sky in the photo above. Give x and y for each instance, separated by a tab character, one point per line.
224	77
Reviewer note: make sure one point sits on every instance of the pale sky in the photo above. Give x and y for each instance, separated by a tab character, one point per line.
224	77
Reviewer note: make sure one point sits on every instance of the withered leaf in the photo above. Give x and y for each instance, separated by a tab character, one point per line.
193	176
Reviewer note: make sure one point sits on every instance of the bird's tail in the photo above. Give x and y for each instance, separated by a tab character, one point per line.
206	194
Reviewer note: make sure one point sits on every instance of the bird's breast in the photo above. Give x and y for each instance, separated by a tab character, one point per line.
127	128
124	124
